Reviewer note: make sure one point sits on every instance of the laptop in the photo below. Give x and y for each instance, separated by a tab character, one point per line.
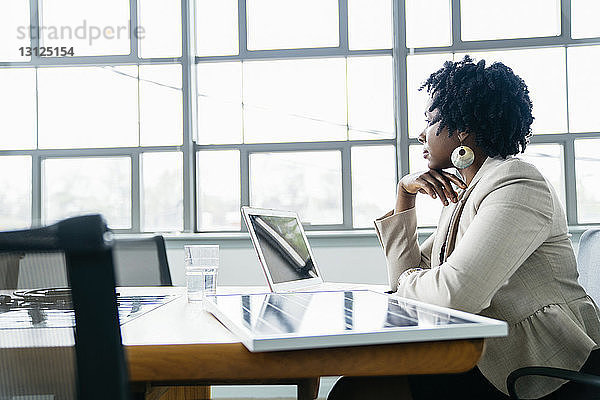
285	254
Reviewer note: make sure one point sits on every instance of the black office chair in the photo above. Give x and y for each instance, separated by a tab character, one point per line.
588	265
141	262
574	376
36	327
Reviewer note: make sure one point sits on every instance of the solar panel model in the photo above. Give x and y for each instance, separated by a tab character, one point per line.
304	320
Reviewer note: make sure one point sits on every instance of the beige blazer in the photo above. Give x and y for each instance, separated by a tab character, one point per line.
507	256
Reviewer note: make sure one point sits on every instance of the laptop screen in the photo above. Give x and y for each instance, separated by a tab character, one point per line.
284	248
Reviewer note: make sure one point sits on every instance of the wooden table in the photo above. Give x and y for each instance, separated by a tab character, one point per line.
180	345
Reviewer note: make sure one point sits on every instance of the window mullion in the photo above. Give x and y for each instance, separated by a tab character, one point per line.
456	24
244	179
136	192
568	144
570	181
133	27
343	24
242	29
34	21
189	114
565	22
400	88
36	192
347	211
36	163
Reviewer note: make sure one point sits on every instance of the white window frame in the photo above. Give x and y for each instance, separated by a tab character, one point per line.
188	61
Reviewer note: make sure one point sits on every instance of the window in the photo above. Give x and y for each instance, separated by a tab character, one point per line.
583	22
437	31
556	62
370	24
583	82
173	122
587	163
81	107
297	100
17	105
81	185
14	20
308	182
100	130
373	182
296	111
218	188
15	204
277	24
162	209
509	19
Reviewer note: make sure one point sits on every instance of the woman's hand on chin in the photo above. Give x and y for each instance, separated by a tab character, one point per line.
435	183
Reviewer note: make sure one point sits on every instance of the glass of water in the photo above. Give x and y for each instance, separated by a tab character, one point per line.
201	266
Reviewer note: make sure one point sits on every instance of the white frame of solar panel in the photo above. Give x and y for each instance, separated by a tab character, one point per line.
481	327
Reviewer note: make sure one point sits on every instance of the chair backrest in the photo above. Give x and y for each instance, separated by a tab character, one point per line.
9	270
588	263
141	262
39	328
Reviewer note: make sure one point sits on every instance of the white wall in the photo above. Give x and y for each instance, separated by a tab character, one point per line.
340	260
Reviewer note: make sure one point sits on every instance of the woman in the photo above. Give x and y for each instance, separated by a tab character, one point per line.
501	248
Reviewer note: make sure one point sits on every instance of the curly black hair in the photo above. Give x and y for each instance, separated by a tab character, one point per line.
493	103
